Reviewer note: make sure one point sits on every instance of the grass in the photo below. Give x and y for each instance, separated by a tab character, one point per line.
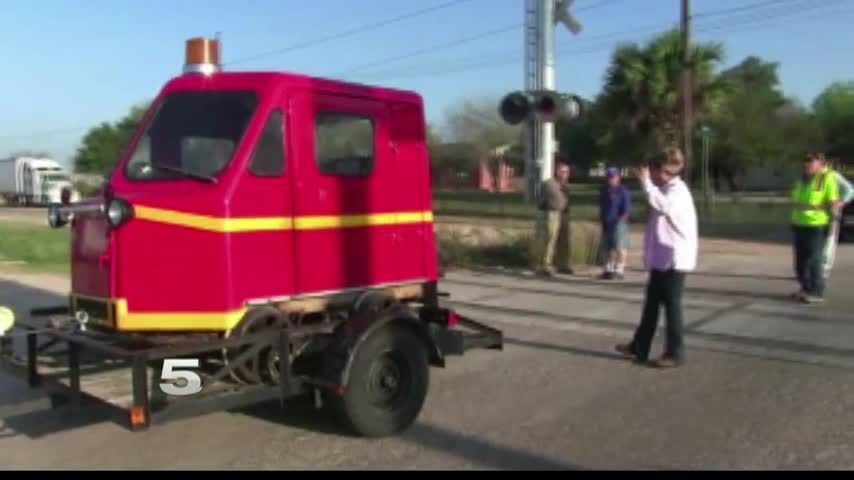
454	252
584	207
47	249
483	248
38	247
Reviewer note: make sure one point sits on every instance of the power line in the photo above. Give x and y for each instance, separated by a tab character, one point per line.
432	49
722	26
458	42
763	21
467	62
771	14
738	9
51	132
735	24
466	40
347	33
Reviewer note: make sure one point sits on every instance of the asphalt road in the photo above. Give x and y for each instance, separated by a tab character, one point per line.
768	384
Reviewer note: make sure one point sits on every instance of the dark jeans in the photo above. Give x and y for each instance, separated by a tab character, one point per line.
663	288
809	252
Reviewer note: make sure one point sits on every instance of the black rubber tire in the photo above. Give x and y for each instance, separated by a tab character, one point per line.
356	408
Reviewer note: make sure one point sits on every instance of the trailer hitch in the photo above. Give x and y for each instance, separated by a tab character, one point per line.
59	215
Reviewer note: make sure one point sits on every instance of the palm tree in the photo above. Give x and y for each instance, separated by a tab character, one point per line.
643	95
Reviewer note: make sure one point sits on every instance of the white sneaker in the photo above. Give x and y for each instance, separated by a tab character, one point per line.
812	299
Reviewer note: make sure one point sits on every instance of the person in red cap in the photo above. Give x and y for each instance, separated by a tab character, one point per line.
615	205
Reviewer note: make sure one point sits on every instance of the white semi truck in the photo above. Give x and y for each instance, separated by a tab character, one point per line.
33	181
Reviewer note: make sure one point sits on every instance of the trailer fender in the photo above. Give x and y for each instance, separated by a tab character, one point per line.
369	315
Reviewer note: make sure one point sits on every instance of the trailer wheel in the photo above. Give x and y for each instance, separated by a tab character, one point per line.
253	371
387	384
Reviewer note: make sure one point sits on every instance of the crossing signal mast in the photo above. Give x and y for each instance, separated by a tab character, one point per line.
539	105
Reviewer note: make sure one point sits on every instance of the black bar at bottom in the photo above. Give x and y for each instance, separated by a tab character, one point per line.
285	364
450	342
47	311
32	360
140	392
194	407
74	375
471	342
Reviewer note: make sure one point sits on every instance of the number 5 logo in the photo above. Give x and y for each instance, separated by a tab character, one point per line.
193	383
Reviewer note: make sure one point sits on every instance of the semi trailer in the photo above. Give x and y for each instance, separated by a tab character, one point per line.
38	181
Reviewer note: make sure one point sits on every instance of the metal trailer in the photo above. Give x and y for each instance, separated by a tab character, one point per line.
124	372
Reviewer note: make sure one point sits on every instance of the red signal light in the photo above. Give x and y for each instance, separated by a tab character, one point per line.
453	319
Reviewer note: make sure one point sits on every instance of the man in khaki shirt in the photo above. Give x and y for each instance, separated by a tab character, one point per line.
554	230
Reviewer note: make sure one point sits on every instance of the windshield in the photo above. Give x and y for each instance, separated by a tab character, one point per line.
192	132
55	177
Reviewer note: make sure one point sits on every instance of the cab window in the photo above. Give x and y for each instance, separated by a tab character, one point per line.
268	158
344	144
195	133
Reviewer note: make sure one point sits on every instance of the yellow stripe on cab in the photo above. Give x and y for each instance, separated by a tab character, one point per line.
262	224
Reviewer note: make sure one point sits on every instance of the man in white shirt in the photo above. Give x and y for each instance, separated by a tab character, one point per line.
670	251
846	195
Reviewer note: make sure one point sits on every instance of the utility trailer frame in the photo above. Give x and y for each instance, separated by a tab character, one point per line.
75	380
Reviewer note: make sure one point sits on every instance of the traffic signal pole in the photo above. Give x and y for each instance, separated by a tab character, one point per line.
539	75
540	145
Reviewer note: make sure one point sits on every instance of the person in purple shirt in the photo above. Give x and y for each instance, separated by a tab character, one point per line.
670	252
615	205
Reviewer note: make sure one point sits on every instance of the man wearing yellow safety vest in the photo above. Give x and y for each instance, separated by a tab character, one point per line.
815	200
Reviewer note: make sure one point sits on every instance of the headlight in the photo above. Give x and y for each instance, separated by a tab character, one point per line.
118	212
7	320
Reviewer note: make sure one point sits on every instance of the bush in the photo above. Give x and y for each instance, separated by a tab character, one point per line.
468	246
86	189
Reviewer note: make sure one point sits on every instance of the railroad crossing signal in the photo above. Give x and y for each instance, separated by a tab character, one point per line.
538	111
545	105
563	16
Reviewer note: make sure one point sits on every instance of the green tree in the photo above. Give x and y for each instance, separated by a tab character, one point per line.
103	144
578	138
642	95
433	137
799	130
747	126
477	122
453	161
475	132
756	125
834	111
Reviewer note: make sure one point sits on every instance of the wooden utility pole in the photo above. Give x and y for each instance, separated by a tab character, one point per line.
687	91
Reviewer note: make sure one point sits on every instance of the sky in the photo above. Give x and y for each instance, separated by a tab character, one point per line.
69	65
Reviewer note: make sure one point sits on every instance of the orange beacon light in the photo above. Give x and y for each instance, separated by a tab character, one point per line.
202	56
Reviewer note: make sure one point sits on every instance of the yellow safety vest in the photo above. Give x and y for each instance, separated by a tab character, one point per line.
818	193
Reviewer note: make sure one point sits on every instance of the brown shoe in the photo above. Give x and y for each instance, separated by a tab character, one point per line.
667	362
798	296
626	350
